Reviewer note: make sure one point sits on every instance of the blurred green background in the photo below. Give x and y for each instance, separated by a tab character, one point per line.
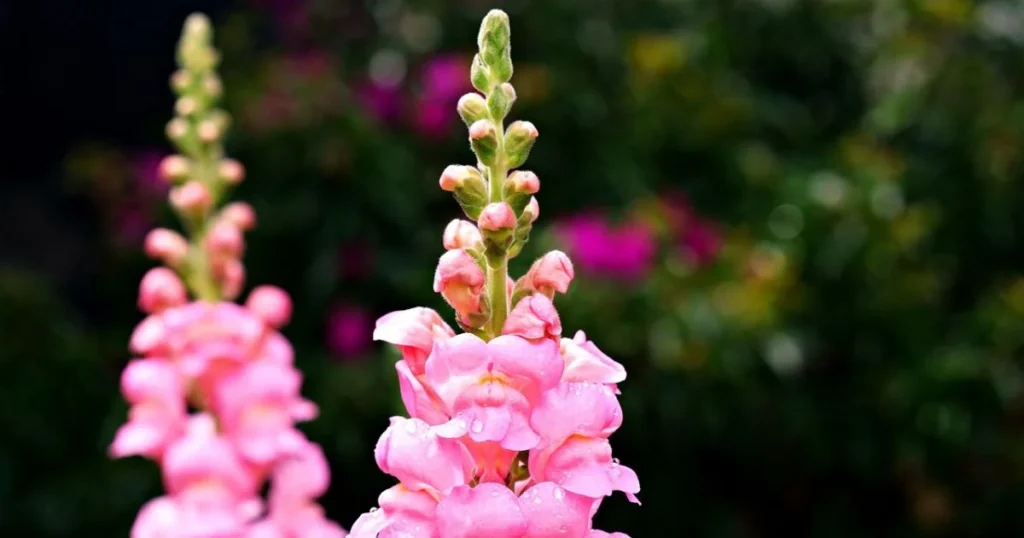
796	222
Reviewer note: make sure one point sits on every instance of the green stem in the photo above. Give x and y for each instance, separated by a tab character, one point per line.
497	265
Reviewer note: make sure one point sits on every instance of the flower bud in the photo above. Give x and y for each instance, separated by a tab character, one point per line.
240	214
460	280
186	105
495	217
519	139
532	211
483	137
497	222
493	41
551	273
523	227
472	108
166	245
177	129
173	168
456	176
191	198
461	234
181	80
225	240
500	100
160	289
231	275
212	85
480	75
231	171
271	304
208	130
468	186
518	188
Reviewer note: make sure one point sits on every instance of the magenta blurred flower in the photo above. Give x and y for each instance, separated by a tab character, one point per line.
699	238
131	223
146	175
622	252
348	331
433	117
702	241
445	78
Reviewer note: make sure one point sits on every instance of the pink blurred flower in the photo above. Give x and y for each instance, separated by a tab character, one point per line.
446	77
432	117
131	223
146	173
443	79
622	252
699	239
348	331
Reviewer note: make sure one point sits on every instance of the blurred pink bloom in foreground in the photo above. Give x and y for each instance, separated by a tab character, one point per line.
348	331
598	247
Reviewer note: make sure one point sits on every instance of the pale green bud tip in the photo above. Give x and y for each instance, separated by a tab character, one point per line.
494	29
472	108
197	26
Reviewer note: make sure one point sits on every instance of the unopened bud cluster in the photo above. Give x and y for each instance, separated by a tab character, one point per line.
508	435
213	393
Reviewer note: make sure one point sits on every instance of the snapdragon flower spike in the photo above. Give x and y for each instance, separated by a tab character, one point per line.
510	423
225	363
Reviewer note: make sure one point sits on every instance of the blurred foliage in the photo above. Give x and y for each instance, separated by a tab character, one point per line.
842	356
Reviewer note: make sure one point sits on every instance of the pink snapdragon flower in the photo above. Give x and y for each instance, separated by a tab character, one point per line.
508	435
225	363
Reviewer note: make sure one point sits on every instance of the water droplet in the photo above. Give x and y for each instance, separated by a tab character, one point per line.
615	461
410	426
559	495
537	499
461	424
374	509
495	492
477	426
563	529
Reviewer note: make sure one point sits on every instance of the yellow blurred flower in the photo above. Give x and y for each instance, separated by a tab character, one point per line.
653	56
910	227
1014	295
957	12
863	152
